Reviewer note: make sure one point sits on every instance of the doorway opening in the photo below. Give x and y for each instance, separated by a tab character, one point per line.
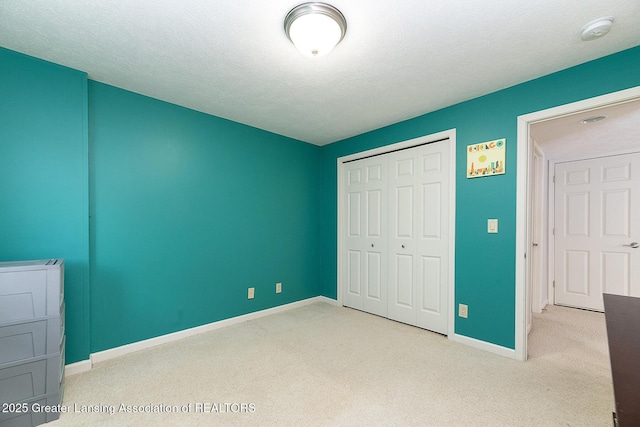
533	269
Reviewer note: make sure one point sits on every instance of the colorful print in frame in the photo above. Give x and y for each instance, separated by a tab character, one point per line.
486	158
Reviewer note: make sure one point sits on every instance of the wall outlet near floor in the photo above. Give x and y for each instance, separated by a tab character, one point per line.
251	292
278	288
463	310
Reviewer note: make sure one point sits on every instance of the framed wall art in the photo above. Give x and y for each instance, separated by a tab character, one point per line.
486	158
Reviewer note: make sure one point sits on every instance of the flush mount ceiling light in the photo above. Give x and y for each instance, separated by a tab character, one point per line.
597	28
315	28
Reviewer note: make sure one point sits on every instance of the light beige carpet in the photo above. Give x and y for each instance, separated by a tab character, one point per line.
326	365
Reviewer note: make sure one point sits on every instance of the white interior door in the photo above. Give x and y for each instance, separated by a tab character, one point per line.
597	230
367	253
418	236
402	232
534	283
432	236
396	242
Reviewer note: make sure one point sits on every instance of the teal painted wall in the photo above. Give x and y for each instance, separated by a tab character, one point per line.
485	264
44	178
188	211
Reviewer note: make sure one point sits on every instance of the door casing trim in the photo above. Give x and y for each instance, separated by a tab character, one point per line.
523	196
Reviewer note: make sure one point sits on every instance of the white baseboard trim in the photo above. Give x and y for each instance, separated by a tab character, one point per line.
101	356
482	345
77	368
329	301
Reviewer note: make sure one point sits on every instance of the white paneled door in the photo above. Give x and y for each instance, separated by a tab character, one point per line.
397	235
597	230
367	235
418	236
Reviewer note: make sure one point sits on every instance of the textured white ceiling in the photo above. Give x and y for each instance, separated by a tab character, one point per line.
567	138
231	58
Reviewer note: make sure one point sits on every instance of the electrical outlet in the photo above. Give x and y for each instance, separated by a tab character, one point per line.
251	292
278	288
463	310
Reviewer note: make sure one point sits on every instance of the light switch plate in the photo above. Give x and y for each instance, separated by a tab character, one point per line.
463	310
492	226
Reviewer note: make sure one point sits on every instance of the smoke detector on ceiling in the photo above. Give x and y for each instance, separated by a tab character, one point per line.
597	28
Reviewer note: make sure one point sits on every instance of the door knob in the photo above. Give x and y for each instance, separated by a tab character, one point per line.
402	246
534	244
372	245
633	245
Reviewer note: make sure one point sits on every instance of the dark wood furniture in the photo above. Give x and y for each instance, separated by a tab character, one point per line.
622	315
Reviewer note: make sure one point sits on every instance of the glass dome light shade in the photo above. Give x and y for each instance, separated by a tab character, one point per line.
315	28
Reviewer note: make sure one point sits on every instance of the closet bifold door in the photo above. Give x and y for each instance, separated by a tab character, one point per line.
418	236
367	241
402	213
